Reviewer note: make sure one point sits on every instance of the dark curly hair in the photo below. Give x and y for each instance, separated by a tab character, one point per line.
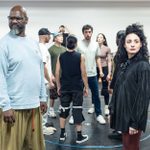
119	35
121	55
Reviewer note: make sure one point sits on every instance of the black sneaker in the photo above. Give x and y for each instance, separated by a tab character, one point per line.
63	137
115	135
82	139
49	124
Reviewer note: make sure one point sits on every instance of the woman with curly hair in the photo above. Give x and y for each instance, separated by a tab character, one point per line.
130	98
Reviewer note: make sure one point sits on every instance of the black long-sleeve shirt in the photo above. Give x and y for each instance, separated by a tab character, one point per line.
131	95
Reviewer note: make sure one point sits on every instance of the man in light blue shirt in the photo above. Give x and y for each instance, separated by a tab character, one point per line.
22	87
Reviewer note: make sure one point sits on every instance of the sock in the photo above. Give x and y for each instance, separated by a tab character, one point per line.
79	135
62	130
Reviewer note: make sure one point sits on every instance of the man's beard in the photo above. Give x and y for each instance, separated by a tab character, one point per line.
16	30
88	38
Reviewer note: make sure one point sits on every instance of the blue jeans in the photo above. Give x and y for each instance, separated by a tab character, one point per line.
93	85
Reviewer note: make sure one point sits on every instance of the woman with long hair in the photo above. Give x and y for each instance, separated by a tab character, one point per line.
130	98
106	63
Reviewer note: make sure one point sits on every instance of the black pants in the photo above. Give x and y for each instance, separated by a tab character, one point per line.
104	90
76	97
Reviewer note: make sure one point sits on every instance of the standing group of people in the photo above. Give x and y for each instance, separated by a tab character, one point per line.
26	66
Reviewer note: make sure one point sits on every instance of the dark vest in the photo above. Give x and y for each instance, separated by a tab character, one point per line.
71	79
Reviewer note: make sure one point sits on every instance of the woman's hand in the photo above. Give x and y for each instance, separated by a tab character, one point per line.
101	74
108	78
132	131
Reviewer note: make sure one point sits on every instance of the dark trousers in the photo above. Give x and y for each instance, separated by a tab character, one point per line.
93	85
104	90
131	142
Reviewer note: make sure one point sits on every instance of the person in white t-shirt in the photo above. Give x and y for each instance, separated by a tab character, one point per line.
89	48
44	37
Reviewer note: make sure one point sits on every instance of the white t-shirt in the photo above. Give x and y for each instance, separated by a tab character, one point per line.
46	58
90	51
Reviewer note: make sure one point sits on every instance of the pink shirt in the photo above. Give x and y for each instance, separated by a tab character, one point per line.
105	55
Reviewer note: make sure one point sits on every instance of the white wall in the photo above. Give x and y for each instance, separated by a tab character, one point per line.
107	18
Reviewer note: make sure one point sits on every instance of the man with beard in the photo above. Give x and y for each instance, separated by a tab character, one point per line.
55	50
89	49
44	37
22	87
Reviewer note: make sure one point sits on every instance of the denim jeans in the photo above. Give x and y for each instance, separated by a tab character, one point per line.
93	85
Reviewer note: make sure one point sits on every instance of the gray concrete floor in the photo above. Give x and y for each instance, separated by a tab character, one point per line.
97	133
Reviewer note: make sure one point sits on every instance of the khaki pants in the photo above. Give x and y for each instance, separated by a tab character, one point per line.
0	129
20	135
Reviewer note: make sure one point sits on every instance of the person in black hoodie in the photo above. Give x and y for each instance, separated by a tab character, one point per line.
131	96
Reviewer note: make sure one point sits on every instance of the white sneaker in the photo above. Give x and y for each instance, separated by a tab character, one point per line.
106	110
51	113
71	120
91	110
48	130
101	119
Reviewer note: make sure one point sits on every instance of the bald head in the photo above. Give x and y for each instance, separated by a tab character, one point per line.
18	20
19	9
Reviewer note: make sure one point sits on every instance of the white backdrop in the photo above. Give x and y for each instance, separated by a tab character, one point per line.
105	17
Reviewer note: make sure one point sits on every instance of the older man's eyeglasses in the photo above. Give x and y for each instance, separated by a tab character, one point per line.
15	18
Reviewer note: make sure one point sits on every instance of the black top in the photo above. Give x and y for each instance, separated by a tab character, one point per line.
65	35
71	79
113	81
131	95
